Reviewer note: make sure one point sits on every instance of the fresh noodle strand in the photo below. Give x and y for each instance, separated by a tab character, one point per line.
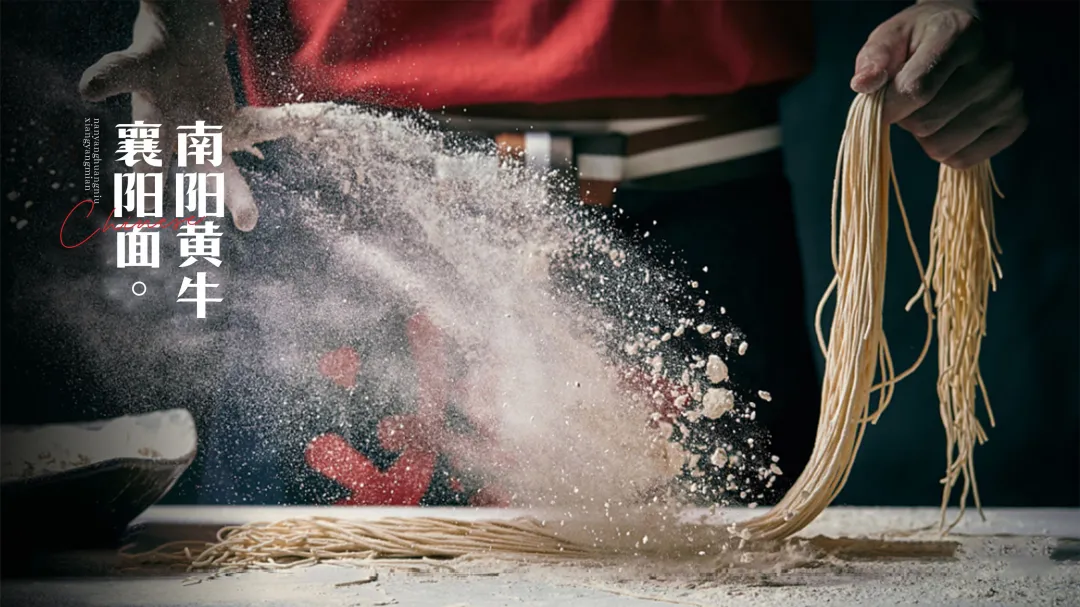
856	351
962	270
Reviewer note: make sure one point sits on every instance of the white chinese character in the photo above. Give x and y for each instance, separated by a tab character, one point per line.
192	194
136	249
200	285
200	241
139	139
130	193
203	141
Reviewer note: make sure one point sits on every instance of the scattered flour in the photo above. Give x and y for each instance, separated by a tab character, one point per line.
716	370
566	327
717	401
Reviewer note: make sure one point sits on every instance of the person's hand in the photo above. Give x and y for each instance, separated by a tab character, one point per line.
962	105
175	71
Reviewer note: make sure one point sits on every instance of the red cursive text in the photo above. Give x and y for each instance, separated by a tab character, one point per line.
149	222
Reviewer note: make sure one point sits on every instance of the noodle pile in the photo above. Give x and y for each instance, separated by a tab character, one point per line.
962	269
857	349
305	541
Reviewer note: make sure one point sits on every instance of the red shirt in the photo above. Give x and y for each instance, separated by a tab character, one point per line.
434	54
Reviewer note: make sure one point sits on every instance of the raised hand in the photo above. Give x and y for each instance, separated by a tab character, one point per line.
945	86
175	71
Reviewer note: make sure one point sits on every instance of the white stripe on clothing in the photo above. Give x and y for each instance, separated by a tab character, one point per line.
702	153
538	151
630	126
679	157
600	168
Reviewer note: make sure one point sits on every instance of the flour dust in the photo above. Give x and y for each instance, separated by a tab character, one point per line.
407	290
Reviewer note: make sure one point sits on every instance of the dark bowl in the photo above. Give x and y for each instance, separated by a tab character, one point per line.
77	486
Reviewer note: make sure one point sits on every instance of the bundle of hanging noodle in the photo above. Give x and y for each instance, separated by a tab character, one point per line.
962	269
857	350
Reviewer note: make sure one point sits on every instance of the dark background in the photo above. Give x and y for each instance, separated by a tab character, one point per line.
1030	357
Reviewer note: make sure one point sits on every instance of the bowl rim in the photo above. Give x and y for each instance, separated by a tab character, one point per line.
81	470
77	472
